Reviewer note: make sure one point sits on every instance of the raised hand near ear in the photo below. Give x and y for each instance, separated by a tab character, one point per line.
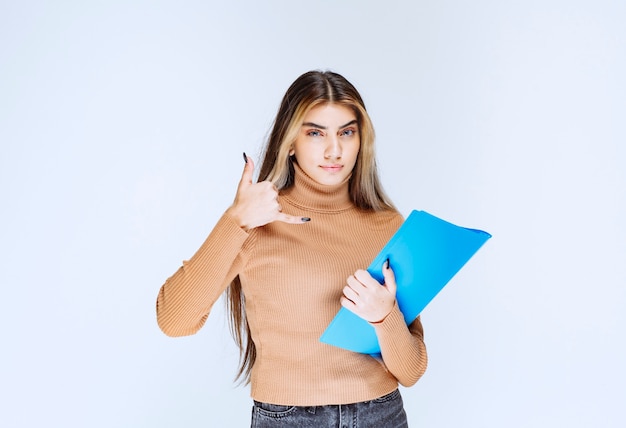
256	204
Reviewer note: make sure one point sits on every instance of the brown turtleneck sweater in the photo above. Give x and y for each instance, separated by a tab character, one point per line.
292	277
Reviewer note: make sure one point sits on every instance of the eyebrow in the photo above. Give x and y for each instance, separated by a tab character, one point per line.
315	125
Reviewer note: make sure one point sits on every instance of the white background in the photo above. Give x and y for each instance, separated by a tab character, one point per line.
122	126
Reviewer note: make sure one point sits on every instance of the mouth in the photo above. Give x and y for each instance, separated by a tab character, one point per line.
331	168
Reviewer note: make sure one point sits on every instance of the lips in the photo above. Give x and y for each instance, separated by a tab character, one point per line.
331	168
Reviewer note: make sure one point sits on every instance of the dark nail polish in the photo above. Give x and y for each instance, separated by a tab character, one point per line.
245	158
387	264
305	219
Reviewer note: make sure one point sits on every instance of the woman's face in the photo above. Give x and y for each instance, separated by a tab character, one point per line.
328	143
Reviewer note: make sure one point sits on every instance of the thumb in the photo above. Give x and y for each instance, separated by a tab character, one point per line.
248	172
390	278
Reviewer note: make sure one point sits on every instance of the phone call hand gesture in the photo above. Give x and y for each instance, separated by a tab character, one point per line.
256	204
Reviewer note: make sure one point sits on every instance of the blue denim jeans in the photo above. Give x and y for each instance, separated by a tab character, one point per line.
384	412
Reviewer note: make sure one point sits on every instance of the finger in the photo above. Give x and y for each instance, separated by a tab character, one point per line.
350	293
366	279
390	277
354	282
248	172
348	304
291	219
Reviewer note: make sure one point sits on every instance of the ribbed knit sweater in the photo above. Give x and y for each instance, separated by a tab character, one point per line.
292	277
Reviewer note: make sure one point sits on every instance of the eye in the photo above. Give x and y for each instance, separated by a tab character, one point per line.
314	133
348	132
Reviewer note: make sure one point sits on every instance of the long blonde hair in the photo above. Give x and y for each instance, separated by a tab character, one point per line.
307	91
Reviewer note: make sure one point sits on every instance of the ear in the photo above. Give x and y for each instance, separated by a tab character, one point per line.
292	152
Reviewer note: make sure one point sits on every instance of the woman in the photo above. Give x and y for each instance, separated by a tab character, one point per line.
290	251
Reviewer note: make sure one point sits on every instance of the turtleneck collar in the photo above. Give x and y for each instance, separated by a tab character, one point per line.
309	194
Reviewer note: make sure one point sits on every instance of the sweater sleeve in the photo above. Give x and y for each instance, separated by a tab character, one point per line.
185	300
402	348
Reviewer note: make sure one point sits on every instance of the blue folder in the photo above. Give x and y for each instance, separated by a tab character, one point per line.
424	254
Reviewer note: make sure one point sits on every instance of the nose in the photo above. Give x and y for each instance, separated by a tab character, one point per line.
333	148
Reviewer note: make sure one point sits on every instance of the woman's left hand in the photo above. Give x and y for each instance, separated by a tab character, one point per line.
367	298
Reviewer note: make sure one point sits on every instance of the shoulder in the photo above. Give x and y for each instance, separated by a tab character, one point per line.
389	220
389	214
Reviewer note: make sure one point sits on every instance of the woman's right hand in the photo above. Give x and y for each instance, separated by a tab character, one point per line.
256	204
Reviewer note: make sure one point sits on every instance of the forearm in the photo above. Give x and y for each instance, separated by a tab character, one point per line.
402	348
186	298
